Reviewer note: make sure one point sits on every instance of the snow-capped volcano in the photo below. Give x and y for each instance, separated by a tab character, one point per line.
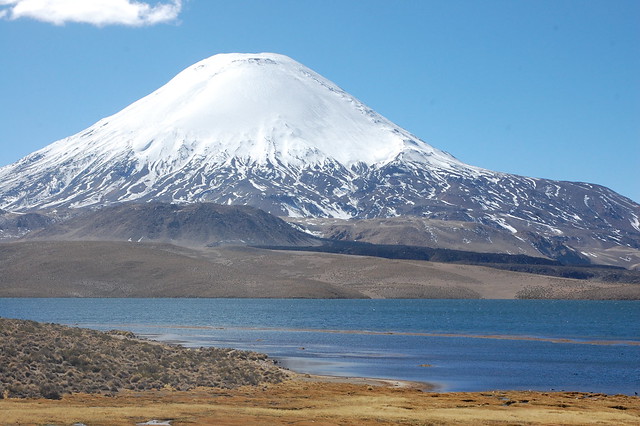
238	111
259	109
264	120
264	130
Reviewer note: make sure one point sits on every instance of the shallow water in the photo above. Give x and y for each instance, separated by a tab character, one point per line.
459	345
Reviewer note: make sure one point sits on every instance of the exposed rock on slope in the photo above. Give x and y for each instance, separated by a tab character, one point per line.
189	224
16	225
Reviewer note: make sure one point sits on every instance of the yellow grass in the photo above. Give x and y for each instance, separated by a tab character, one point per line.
304	402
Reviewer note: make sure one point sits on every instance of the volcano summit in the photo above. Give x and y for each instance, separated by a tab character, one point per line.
236	129
264	130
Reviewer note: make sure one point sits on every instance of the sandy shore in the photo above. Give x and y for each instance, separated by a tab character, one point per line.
368	381
306	400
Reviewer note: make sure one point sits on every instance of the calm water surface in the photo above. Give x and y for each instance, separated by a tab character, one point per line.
468	345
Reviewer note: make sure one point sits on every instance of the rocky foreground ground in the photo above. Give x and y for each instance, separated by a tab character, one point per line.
48	361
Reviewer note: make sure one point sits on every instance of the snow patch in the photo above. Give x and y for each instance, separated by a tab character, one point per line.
589	254
502	223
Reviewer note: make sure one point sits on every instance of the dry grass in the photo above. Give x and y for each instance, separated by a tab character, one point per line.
301	402
49	360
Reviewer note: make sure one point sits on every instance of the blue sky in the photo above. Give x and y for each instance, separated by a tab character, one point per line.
533	87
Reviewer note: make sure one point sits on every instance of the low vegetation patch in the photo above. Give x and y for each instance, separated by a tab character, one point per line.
48	360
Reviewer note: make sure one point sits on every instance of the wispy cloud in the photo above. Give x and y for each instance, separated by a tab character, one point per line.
95	12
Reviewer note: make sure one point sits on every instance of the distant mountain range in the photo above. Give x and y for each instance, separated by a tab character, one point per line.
265	131
204	250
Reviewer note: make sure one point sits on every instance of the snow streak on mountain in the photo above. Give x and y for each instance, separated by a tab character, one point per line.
264	130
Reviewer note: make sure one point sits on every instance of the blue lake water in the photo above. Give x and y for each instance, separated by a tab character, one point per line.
468	345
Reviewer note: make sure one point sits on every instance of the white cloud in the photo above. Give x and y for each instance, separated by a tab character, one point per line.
95	12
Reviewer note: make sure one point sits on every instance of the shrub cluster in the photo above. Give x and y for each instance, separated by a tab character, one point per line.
48	360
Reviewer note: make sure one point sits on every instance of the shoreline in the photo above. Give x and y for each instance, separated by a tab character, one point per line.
305	367
279	396
296	361
364	381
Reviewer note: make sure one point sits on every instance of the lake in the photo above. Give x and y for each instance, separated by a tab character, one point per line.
457	345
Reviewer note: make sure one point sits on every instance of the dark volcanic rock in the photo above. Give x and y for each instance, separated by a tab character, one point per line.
15	225
191	224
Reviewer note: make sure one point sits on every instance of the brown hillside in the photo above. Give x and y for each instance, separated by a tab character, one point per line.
122	269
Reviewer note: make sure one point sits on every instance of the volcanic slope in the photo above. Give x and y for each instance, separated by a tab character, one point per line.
266	131
197	225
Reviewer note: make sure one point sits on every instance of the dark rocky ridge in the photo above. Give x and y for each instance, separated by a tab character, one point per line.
16	225
518	263
197	224
474	237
